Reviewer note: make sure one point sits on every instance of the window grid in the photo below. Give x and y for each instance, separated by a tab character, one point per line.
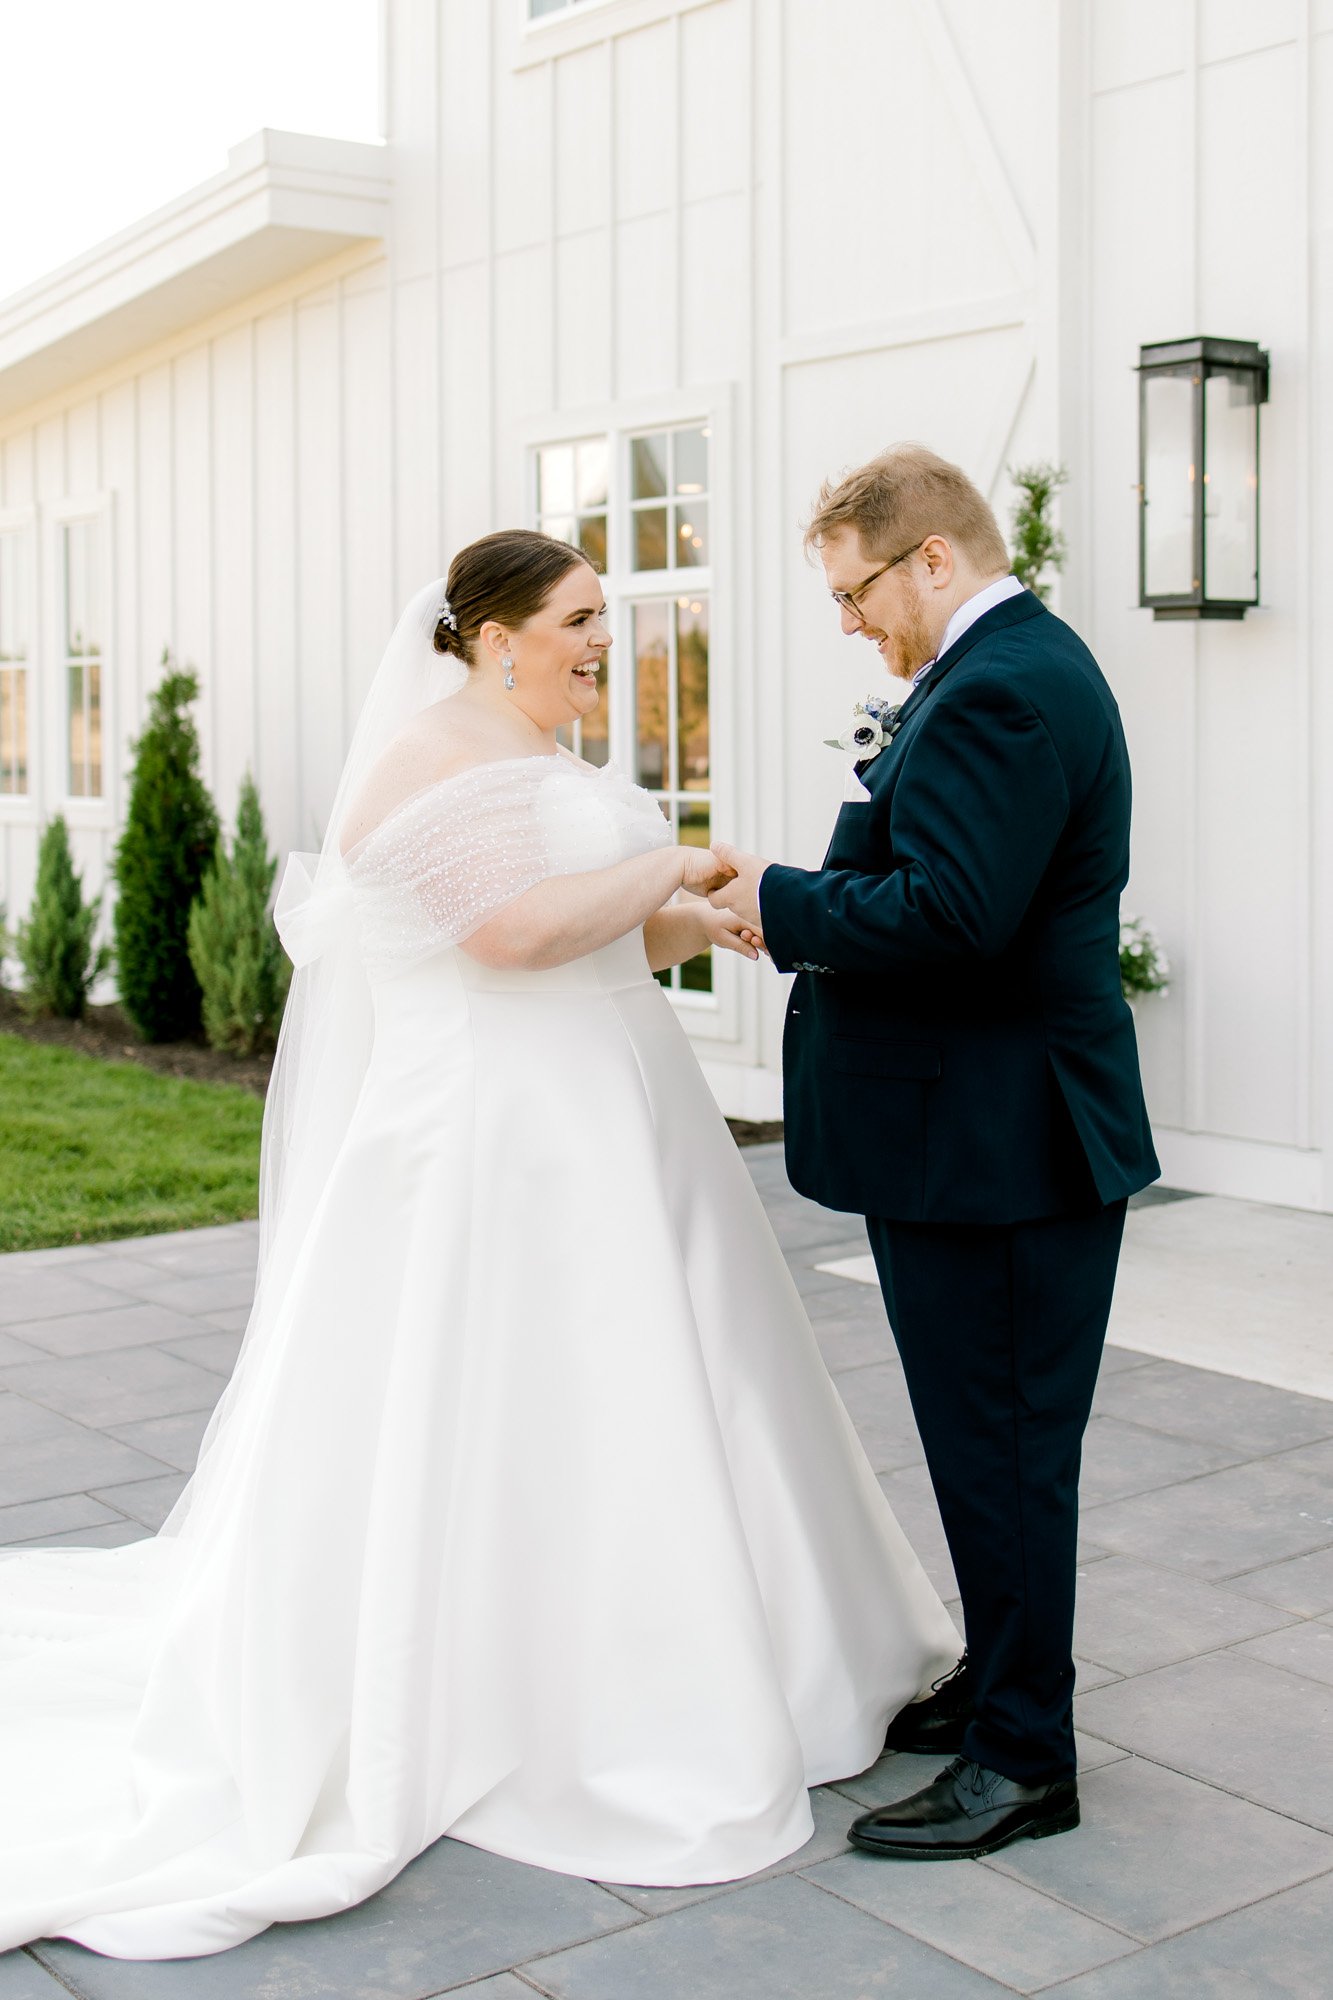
687	808
15	647
81	621
572	495
662	471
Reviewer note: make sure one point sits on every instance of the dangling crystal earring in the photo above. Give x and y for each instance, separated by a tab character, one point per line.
508	665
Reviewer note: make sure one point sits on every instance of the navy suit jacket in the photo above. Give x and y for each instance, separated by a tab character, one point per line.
957	1047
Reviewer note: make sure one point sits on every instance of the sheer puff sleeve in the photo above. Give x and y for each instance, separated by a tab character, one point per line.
447	859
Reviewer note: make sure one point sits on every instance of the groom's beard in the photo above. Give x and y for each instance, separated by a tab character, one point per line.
906	649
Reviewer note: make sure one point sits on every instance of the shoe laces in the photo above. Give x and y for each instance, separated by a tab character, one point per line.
954	1673
972	1777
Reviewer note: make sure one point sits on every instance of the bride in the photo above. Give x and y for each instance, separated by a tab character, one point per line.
530	1514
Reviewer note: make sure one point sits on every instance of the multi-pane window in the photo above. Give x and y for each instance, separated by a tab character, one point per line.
572	495
669	499
572	504
15	648
82	636
538	8
670	638
638	506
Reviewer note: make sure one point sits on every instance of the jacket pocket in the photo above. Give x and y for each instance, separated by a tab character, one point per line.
857	1056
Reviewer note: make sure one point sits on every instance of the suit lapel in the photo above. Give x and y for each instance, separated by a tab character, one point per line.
1013	611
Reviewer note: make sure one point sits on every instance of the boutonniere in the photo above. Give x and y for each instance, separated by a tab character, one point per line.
869	730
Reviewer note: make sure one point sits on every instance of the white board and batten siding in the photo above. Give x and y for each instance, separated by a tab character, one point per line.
1210	210
242	482
811	230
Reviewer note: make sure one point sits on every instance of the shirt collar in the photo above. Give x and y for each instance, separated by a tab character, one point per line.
967	614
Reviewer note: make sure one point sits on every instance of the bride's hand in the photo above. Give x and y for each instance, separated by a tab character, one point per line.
703	871
725	928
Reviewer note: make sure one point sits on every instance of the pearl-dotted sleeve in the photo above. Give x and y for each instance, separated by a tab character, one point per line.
448	859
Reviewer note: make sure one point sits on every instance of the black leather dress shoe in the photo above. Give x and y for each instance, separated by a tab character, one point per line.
967	1812
934	1727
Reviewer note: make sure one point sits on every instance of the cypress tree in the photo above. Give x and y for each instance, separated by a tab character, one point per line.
55	946
1038	544
234	949
170	833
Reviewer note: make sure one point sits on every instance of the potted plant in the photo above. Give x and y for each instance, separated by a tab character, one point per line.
1143	963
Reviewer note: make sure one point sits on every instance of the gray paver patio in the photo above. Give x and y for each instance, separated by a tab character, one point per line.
1204	1866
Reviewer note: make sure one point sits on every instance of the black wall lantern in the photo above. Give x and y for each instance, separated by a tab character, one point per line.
1199	476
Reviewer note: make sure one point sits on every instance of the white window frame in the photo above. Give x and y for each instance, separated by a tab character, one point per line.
22	808
711	1016
78	809
583	22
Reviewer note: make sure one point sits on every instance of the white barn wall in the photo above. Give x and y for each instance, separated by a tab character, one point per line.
911	257
1202	200
248	474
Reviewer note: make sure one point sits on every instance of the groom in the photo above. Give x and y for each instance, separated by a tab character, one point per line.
961	1068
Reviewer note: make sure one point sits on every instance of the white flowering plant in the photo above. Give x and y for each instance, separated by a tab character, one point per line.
1143	963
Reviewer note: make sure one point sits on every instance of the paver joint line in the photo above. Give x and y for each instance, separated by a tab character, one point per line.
1227	1791
32	1952
899	1931
474	1984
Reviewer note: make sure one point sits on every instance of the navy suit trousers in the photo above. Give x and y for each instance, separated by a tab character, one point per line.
1001	1329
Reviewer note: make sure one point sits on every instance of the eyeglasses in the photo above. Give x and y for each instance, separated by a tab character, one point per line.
847	598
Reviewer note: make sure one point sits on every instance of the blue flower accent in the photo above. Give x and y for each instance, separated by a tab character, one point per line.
873	723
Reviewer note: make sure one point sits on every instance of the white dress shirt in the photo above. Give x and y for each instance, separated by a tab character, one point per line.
968	614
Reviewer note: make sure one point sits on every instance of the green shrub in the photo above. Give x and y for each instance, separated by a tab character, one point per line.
1038	544
55	946
234	949
170	833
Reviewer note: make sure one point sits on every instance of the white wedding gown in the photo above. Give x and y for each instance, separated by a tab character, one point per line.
533	1518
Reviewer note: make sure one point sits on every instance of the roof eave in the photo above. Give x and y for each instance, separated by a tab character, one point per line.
286	202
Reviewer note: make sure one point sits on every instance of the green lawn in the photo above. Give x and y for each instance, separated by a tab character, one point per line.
92	1149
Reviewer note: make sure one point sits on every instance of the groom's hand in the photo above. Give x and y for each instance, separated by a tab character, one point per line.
741	894
702	870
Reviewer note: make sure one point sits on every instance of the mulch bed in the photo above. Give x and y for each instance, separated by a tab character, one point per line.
106	1032
747	1133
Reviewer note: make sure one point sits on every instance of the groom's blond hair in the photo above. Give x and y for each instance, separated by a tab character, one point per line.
901	497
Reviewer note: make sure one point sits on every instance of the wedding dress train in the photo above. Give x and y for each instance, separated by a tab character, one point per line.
531	1515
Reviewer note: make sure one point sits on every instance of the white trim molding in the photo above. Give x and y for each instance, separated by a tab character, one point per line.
715	1017
22	808
743	1090
100	810
914	329
1206	1163
285	203
581	24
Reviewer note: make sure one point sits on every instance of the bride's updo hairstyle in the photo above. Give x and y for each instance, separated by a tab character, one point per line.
506	576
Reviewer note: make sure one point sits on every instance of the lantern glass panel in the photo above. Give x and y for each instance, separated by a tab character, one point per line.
1230	515
1168	485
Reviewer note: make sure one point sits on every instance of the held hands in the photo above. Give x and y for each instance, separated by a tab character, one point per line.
703	871
738	891
724	928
